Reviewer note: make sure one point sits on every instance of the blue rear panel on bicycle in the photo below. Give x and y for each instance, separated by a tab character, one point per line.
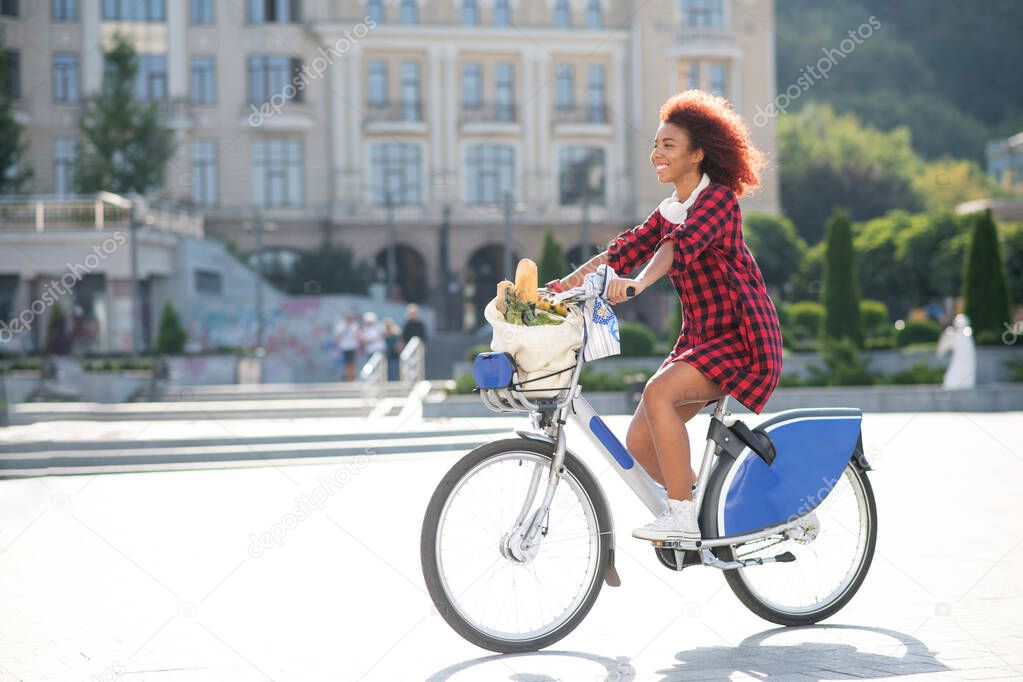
813	448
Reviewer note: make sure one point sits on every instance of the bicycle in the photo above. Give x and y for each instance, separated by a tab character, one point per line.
539	538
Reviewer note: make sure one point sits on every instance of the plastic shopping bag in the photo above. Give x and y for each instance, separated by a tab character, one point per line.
601	323
538	350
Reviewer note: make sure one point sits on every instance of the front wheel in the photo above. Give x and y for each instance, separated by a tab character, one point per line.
833	549
492	591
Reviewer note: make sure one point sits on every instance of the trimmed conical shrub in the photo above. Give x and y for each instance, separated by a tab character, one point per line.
841	298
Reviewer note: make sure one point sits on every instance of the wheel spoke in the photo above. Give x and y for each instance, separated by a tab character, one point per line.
827	567
509	601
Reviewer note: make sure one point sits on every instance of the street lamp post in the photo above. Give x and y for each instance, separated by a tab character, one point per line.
257	238
508	208
136	294
585	236
392	244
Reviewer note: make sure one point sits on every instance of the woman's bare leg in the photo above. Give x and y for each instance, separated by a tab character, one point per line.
678	384
640	442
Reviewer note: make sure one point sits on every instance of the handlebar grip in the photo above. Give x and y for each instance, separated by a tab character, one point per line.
630	291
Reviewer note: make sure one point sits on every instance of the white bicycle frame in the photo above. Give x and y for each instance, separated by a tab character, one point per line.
572	406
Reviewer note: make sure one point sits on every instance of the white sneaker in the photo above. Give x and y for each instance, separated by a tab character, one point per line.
677	522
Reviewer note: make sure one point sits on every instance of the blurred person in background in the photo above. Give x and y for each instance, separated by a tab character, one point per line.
394	343
413	325
371	335
346	337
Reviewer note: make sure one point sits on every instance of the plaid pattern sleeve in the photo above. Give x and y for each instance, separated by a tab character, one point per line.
713	212
635	246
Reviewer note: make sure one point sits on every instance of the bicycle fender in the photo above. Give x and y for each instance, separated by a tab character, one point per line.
813	447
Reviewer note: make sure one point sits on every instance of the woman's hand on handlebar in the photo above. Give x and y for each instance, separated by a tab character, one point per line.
621	289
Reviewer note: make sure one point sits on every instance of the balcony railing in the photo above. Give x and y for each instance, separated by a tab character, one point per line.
395	112
101	211
708	36
587	113
490	112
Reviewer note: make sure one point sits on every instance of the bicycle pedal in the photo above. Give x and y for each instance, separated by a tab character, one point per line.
676	544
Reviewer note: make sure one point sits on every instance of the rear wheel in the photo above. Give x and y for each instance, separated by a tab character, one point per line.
489	589
830	564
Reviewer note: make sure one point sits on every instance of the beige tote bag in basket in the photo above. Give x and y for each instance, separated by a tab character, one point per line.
538	350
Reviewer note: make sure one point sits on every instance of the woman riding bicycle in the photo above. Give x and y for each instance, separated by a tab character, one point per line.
730	341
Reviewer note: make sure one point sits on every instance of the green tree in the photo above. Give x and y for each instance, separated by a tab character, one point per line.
330	269
831	160
903	73
985	288
13	175
172	335
124	146
840	296
553	263
777	247
1012	235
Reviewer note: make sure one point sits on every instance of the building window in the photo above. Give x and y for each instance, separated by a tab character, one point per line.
375	10
581	175
134	10
562	14
594	14
472	85
702	13
204	172
204	84
208	282
411	96
595	89
693	75
273	11
377	82
151	79
64	10
64	157
396	174
564	88
201	12
409	12
490	170
65	77
470	12
9	8
271	76
10	76
277	170
718	83
502	13
504	91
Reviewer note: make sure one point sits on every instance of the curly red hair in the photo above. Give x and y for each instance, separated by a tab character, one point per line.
729	156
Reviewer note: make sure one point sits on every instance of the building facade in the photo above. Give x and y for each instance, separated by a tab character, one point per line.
449	129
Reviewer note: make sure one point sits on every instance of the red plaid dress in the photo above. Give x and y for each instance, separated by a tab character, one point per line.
730	329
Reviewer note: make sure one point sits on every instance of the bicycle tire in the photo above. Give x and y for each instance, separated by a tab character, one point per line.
749	599
428	543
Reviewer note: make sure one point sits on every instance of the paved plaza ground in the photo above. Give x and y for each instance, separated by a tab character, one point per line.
210	575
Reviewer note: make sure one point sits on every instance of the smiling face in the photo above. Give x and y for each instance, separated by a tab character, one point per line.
671	157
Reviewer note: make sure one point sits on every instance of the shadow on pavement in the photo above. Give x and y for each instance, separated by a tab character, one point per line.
756	656
617	669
